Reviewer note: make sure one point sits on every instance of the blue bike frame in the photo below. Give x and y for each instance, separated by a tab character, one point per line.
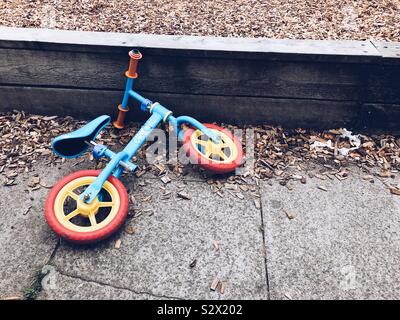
121	160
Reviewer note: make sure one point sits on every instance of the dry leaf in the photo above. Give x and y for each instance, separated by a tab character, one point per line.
216	245
395	190
289	214
322	188
130	229
193	263
214	284
165	179
222	287
184	195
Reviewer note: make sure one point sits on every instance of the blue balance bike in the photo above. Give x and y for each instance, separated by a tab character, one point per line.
89	205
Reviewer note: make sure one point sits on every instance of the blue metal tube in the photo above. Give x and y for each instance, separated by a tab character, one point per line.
176	121
177	128
185	119
94	188
126	164
138	97
138	140
141	136
128	87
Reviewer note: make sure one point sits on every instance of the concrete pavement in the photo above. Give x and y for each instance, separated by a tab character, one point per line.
342	243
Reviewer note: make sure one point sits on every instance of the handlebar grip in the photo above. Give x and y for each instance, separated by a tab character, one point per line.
135	56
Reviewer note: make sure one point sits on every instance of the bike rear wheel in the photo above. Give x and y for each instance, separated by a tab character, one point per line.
222	157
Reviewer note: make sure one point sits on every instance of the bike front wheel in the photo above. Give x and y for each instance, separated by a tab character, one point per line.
76	221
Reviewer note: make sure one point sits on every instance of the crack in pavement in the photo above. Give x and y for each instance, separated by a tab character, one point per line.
53	254
116	287
36	285
264	243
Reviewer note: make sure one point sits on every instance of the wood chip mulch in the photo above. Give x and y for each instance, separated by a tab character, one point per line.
285	155
278	149
299	19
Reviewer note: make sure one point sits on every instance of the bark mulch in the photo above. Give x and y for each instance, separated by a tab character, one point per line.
300	19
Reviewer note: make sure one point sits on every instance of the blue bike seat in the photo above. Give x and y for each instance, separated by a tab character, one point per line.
72	145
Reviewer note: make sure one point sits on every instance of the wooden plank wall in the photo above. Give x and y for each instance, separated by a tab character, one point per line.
292	83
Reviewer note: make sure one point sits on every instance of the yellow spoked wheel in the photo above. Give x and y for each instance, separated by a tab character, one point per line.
221	157
68	198
75	220
225	151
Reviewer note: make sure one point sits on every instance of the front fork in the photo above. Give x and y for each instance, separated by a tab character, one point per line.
121	160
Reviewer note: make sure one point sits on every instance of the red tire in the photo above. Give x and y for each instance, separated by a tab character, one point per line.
118	217
208	163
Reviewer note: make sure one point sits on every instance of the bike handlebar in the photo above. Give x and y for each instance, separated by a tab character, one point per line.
135	56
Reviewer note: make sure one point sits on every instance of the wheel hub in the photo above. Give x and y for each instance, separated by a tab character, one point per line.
86	209
225	151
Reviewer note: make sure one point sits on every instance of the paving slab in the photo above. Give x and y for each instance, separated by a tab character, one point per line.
78	289
170	235
343	243
25	241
